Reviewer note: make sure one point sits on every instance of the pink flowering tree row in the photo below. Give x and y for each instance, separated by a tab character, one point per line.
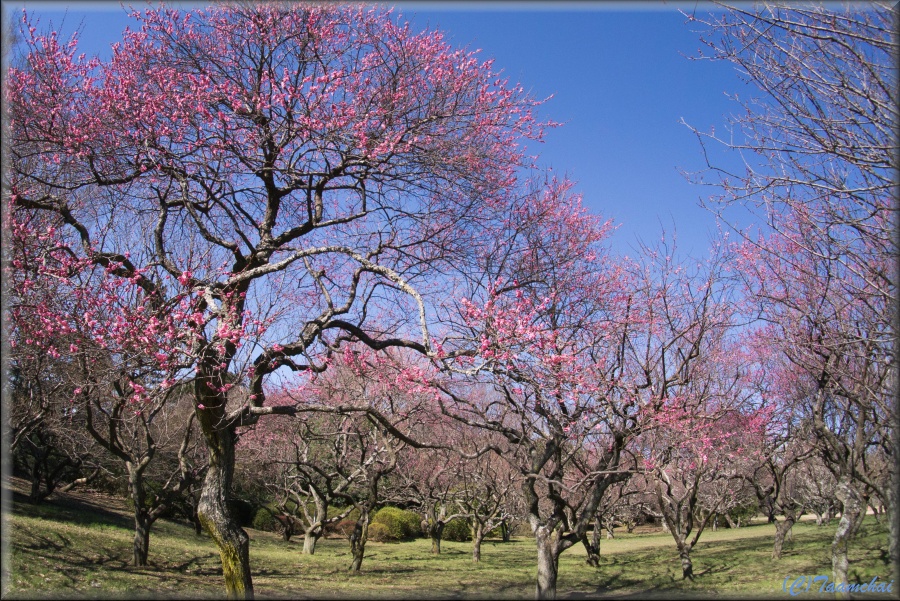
817	134
115	351
576	356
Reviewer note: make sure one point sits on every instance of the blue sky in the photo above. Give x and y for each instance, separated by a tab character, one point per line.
620	79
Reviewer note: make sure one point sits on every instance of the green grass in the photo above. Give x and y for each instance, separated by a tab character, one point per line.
65	551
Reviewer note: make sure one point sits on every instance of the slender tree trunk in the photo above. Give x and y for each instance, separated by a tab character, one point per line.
477	538
894	530
141	546
213	511
781	530
35	496
198	525
893	517
547	564
141	539
592	547
358	541
504	531
40	475
687	566
851	518
195	519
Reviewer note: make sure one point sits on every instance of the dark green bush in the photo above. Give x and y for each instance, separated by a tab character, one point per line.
264	520
744	514
401	524
457	530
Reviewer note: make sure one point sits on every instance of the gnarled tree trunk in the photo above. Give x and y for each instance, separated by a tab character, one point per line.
781	530
141	546
310	537
436	531
141	539
592	547
477	538
851	518
687	566
213	511
547	563
358	539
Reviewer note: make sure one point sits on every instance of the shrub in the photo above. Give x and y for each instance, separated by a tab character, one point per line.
744	514
381	533
401	524
264	520
345	527
457	530
522	529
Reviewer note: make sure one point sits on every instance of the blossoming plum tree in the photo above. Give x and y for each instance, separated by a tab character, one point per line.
290	173
576	354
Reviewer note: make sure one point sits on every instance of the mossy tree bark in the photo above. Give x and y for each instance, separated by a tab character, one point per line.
213	510
436	532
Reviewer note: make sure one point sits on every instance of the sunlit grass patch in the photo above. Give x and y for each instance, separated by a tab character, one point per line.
58	552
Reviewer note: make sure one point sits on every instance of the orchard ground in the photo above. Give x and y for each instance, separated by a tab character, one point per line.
79	545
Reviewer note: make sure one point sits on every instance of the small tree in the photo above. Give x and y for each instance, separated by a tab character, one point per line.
486	490
432	480
694	448
303	472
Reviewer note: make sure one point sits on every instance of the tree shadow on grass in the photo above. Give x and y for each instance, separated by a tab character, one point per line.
71	510
41	542
389	571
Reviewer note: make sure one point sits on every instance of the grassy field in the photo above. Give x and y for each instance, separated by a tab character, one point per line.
73	549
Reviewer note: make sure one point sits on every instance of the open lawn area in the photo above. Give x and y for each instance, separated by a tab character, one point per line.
77	546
